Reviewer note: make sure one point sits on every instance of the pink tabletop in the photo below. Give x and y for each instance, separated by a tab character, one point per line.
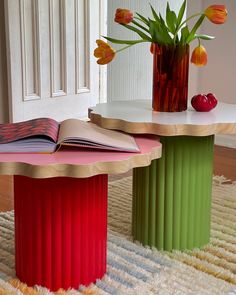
77	162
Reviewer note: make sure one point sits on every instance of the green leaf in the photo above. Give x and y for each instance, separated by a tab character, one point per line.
204	37
184	35
181	13
140	26
159	34
167	8
140	33
155	15
194	29
143	19
177	39
117	41
162	22
171	19
153	31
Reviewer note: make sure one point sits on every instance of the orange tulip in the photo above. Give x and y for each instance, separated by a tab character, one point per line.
104	52
123	16
199	56
217	14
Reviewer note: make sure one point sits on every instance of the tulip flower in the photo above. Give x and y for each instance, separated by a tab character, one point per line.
104	52
217	14
171	30
123	16
199	56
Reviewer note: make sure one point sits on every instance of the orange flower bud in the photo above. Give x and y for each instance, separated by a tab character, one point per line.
123	16
199	56
104	52
217	14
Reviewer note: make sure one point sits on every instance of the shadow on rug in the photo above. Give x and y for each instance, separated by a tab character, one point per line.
133	269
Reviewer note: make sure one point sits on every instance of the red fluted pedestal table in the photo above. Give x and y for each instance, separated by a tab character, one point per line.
61	211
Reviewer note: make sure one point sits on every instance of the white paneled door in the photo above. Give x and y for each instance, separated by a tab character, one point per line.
51	68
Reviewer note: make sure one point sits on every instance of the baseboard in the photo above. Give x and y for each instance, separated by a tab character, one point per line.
226	140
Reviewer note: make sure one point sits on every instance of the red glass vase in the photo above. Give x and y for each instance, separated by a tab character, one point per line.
170	78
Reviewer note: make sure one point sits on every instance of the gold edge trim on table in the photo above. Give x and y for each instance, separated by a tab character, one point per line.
79	170
162	129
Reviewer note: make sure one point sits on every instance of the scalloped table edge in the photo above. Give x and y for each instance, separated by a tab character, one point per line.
80	170
162	129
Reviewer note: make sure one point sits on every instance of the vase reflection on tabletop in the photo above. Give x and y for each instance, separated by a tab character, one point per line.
170	38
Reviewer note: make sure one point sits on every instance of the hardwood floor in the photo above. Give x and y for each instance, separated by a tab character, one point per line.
6	193
224	164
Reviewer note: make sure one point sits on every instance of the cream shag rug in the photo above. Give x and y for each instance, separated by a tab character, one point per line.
133	269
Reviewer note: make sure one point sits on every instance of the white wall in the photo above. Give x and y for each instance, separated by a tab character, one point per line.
219	75
192	8
130	74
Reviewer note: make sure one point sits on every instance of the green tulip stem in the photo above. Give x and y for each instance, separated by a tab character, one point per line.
187	19
184	22
123	48
199	42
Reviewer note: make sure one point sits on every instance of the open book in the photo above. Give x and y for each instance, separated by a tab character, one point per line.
45	135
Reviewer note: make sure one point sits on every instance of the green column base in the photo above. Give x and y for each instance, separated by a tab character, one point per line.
172	197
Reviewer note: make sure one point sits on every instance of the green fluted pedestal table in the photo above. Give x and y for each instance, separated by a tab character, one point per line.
172	196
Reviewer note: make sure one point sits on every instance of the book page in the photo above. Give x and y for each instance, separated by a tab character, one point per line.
77	132
29	145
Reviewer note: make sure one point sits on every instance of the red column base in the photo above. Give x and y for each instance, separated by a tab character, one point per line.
60	230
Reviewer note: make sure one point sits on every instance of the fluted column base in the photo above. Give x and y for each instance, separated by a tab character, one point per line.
60	230
172	197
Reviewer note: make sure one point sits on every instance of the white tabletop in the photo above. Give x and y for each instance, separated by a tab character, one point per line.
136	116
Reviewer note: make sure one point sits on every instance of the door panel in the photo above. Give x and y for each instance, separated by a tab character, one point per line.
51	68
